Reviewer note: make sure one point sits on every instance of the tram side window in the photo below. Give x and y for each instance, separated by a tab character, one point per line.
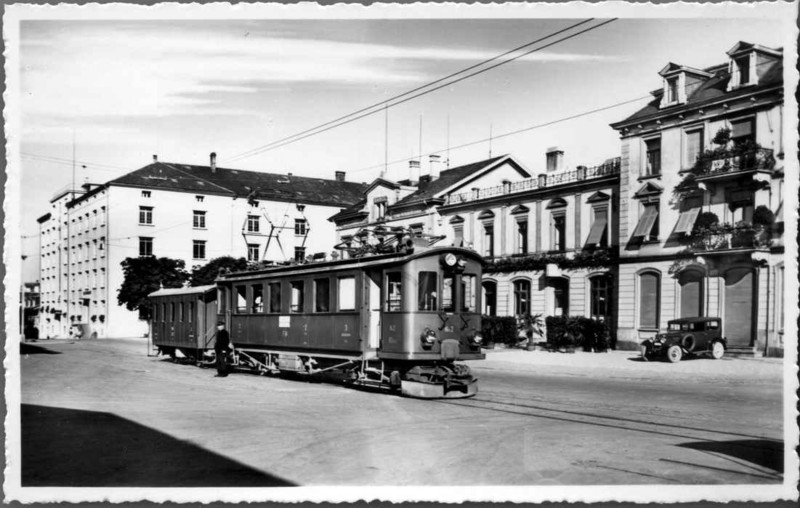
322	295
163	312
222	300
258	298
191	312
427	284
180	312
275	297
172	311
448	293
241	299
297	296
347	293
469	297
394	292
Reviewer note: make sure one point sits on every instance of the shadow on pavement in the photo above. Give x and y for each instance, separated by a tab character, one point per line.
30	349
762	452
74	448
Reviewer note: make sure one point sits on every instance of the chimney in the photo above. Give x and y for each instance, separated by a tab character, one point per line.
213	162
340	176
413	172
435	165
155	158
555	159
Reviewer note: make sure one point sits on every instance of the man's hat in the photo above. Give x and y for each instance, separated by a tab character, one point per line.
220	323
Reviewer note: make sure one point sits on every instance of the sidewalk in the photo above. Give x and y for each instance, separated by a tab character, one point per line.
630	364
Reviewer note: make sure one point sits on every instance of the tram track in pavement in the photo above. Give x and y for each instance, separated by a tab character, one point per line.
613	418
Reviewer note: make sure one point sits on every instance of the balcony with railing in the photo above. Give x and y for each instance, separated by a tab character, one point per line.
732	163
721	238
579	174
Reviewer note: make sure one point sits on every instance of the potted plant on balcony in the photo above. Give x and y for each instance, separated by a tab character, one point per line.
763	221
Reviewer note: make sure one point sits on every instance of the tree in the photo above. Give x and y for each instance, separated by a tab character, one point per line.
144	275
207	273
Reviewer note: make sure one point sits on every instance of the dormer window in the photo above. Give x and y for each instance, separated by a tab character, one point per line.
672	90
743	66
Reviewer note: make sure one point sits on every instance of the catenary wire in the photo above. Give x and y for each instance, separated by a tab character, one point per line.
277	145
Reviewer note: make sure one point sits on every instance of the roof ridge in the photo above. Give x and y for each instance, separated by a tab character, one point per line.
169	165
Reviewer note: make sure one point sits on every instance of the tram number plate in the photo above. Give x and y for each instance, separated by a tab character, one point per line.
284	321
449	328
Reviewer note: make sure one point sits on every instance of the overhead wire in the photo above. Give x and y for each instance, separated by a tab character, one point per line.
365	112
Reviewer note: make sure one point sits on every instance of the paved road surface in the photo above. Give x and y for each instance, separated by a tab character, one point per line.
102	413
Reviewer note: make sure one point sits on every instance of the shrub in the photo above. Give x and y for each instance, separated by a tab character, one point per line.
705	220
763	216
499	329
580	331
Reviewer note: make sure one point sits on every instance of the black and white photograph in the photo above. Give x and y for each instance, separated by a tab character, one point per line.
401	252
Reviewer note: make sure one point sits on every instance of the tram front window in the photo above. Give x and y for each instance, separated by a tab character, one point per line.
394	292
428	282
448	294
469	298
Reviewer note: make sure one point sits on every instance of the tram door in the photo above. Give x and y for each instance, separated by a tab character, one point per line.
372	296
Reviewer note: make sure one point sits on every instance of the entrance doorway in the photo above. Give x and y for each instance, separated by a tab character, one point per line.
738	317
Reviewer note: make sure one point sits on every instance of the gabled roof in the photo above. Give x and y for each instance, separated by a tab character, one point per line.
241	183
452	177
672	68
712	89
381	182
742	47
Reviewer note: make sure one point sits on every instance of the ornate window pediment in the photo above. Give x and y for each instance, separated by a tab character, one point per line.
649	192
556	203
519	209
598	197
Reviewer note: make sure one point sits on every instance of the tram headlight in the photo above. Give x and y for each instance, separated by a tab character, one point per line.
428	337
450	259
477	338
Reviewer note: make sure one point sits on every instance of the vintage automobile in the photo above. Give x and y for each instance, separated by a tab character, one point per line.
687	336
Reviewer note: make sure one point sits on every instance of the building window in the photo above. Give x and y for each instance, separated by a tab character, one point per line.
743	66
600	297
598	233
649	293
258	298
743	133
522	297
300	227
252	252
146	215
199	219
458	235
252	224
274	297
394	292
672	90
647	228
652	157
299	254
488	239
145	193
558	230
199	199
298	296
198	249
522	236
322	295
694	147
379	208
560	288
145	246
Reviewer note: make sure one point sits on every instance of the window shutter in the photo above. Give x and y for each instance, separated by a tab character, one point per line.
598	228
686	221
648	300
646	221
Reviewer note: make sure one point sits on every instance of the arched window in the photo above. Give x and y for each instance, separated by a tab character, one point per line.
649	299
522	297
489	298
692	293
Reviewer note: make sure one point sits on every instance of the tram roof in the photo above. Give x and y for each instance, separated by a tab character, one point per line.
183	291
343	264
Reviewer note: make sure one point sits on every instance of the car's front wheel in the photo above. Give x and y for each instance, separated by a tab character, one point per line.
674	354
717	350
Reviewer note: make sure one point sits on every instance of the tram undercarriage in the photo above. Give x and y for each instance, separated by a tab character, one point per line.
431	380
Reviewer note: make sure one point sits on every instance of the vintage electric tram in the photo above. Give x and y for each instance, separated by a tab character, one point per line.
398	320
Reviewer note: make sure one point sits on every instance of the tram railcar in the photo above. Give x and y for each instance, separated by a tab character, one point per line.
184	320
400	320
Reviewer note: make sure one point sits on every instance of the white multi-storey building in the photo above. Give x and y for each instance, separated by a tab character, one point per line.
179	211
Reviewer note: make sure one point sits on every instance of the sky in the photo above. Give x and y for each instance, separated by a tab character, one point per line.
117	92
